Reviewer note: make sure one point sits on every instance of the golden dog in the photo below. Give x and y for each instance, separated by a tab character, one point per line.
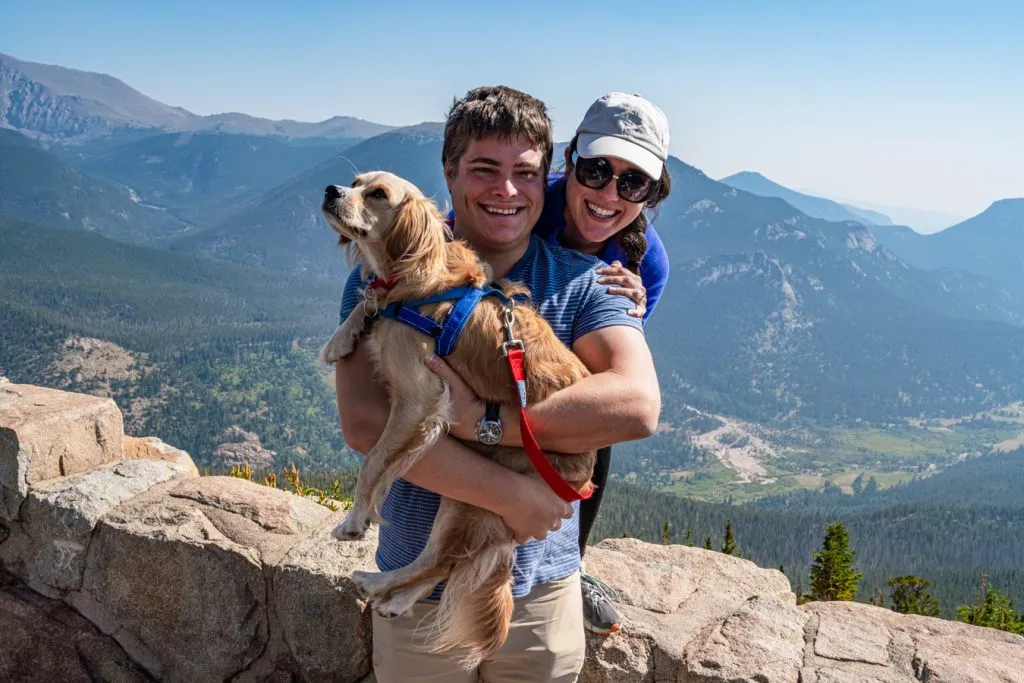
400	236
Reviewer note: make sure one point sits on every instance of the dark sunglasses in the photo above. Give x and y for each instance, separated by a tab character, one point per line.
634	186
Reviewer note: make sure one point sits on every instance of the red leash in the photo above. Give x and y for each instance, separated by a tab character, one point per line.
514	352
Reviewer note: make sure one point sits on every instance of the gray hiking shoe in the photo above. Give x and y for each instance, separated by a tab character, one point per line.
599	614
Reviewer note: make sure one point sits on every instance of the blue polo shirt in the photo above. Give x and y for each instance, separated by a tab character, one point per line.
565	290
654	266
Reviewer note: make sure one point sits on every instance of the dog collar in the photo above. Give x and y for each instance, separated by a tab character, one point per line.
384	284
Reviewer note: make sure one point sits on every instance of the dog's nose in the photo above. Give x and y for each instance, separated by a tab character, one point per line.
332	192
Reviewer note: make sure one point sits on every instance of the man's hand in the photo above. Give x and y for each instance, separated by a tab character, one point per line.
534	510
466	407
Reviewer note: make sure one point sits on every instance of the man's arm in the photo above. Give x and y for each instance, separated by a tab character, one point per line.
620	401
529	507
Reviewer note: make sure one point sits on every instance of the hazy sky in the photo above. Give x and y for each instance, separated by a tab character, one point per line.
907	103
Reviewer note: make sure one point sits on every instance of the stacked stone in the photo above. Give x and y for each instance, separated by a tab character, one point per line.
118	562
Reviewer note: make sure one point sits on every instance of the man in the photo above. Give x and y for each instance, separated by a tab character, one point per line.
496	154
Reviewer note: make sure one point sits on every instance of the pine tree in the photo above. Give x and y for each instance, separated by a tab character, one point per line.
729	543
833	576
707	543
910	595
688	538
666	533
995	611
878	598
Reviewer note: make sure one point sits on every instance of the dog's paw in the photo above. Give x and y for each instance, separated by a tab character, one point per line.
359	581
327	357
340	345
352	528
333	352
368	585
399	604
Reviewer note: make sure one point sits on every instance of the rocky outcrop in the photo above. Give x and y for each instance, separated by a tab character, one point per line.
47	433
688	611
239	447
697	615
152	572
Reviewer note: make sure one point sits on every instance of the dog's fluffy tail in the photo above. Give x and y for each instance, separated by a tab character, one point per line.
476	607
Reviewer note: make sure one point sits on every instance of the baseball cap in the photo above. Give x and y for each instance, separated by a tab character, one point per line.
628	127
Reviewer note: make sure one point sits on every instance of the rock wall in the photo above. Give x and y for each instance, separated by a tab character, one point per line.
121	563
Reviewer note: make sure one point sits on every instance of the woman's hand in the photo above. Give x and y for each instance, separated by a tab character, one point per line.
625	283
467	408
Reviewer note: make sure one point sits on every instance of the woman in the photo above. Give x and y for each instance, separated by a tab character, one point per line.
614	170
622	138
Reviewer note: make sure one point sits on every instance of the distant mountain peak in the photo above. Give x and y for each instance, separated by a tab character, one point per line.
429	127
989	244
1014	205
1000	214
750	174
818	207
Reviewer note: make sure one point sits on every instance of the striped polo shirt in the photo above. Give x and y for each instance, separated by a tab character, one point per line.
565	290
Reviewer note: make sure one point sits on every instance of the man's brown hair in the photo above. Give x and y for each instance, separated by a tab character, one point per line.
496	111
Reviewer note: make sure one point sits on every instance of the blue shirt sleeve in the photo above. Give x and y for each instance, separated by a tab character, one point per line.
353	293
654	270
599	309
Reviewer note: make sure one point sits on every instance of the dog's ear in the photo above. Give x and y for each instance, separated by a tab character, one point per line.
416	240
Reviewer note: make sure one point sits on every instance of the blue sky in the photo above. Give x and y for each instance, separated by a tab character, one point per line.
908	103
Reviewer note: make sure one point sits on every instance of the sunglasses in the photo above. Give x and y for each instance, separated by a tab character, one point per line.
633	185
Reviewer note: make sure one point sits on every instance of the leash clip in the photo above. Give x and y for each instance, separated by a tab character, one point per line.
508	320
371	307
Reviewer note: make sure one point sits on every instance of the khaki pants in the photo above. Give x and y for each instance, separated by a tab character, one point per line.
545	643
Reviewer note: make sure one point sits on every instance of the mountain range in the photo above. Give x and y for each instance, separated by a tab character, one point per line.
205	177
991	242
924	221
818	207
37	186
285	230
806	316
770	313
55	103
987	245
146	295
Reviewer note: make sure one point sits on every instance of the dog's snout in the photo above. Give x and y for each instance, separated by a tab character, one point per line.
333	192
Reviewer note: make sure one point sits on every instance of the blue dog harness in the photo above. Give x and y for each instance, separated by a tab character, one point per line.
447	333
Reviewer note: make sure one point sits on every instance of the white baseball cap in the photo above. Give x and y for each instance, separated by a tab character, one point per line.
628	127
